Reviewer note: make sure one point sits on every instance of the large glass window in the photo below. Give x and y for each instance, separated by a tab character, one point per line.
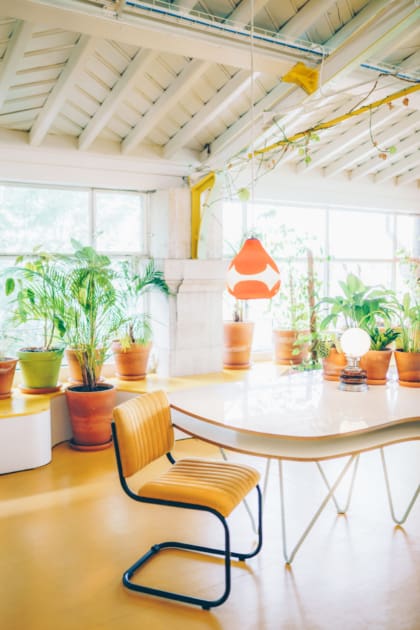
367	243
50	217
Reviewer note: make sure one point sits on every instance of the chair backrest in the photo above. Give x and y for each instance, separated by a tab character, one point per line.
144	430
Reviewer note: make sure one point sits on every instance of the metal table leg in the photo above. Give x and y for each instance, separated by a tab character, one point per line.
332	488
388	490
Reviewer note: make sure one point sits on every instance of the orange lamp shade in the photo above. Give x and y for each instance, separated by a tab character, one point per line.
253	274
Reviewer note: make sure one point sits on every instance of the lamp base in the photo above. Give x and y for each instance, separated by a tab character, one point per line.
353	379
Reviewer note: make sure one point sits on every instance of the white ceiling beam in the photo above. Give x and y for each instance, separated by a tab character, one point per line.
363	40
399	168
183	82
61	89
224	97
242	14
353	136
375	164
15	50
305	17
173	37
410	176
386	137
111	103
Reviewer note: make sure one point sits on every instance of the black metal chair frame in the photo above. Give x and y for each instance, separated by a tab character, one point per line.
226	552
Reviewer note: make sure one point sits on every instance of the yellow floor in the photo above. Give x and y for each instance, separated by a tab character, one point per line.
68	532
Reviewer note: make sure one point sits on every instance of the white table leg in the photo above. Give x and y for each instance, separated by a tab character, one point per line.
388	491
290	556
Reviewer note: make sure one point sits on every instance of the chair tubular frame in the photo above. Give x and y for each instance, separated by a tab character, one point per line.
226	552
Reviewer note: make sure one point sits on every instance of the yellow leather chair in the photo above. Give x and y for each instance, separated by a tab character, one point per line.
143	432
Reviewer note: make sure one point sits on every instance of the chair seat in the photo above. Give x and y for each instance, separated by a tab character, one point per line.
212	483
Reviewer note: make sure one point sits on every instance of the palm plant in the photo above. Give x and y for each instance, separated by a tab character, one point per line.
133	286
94	313
37	286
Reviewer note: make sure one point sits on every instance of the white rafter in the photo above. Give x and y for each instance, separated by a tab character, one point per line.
223	98
114	98
356	135
365	29
61	90
165	103
14	53
409	176
385	138
173	37
218	103
410	161
379	167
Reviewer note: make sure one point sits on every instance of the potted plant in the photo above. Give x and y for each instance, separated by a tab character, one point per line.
37	288
372	308
290	308
131	350
7	362
407	354
94	315
237	339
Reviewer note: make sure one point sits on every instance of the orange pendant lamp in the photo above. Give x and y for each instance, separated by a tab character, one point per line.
253	274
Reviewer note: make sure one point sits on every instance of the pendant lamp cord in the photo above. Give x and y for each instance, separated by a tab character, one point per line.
252	97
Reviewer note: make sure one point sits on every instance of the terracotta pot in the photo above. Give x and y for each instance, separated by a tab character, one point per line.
237	344
7	374
75	373
408	367
284	341
333	364
376	364
131	363
90	415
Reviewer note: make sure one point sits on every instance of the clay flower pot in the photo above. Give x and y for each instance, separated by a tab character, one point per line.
333	364
284	347
7	374
376	364
237	344
131	363
90	416
408	367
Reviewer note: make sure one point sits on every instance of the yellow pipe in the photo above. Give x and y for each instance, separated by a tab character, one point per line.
197	190
331	123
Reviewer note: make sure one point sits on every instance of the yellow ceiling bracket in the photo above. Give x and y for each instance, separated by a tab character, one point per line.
304	77
204	185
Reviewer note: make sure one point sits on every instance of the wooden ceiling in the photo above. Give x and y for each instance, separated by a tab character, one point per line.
194	86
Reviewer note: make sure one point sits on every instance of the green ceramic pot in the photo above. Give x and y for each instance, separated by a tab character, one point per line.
40	369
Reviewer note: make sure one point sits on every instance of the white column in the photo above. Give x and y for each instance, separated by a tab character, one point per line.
188	332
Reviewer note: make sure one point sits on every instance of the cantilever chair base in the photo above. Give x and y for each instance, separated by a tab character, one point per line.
226	553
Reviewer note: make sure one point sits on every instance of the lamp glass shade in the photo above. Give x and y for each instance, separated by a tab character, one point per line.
252	274
355	342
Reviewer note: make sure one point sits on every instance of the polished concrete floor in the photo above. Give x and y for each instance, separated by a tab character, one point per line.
67	533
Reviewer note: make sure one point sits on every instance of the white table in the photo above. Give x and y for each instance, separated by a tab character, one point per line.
300	417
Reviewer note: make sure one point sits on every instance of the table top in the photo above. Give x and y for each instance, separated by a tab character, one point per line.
270	413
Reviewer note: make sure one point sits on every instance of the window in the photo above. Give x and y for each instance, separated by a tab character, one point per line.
114	222
343	240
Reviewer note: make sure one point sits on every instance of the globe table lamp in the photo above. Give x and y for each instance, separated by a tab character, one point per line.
355	342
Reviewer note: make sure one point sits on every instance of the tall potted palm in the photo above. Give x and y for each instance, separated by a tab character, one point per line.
132	349
94	316
36	286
